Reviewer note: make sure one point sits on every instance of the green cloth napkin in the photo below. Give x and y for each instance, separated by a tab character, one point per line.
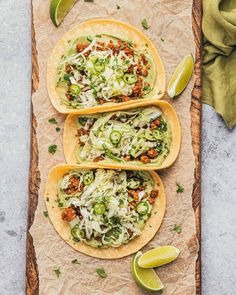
219	57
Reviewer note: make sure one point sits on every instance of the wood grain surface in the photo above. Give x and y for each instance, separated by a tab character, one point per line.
32	280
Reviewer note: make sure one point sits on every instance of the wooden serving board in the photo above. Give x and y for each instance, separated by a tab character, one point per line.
32	280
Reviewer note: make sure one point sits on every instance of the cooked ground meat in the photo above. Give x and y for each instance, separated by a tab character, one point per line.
73	186
144	159
130	232
153	126
144	60
151	201
127	158
145	72
68	214
69	96
139	69
157	122
81	46
133	194
125	98
152	153
68	68
97	159
154	194
82	131
102	101
138	88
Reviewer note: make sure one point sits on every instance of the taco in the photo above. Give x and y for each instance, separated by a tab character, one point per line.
104	213
144	137
103	64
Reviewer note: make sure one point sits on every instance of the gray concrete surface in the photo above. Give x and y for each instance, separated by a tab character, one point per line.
218	169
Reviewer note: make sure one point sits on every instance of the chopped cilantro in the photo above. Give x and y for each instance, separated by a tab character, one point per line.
57	271
101	272
177	228
52	149
67	77
180	188
146	88
58	129
117	6
89	38
145	24
52	121
47	199
45	213
162	40
75	261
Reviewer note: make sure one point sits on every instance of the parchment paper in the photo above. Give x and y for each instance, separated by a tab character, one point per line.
171	31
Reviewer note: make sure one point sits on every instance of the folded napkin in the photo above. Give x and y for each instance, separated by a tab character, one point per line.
219	57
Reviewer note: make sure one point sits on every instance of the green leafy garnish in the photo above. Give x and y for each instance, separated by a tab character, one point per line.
45	213
145	24
180	188
52	121
57	271
117	6
177	228
52	149
101	272
146	88
58	129
47	199
162	40
89	38
75	261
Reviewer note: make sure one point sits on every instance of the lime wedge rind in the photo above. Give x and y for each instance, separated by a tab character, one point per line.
145	278
59	9
158	257
181	76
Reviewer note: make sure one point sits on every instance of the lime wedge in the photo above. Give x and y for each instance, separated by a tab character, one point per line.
158	256
146	278
181	76
59	9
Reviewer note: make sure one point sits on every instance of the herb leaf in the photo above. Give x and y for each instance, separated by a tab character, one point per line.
89	38
75	261
180	188
177	228
52	121
57	271
58	129
45	213
117	6
145	24
52	149
101	272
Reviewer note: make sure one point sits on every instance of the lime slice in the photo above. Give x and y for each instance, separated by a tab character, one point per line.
59	9
146	278
158	256
181	76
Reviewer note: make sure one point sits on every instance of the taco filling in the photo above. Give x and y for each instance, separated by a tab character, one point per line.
104	68
140	135
106	208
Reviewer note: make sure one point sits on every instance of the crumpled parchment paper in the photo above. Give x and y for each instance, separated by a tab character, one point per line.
171	31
